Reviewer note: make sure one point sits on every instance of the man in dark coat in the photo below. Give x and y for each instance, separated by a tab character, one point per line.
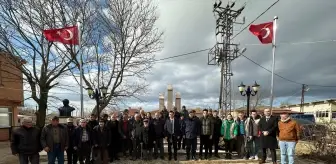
71	153
115	137
190	131
184	112
25	143
269	127
177	114
207	127
93	121
101	136
216	132
54	140
83	142
147	141
172	132
158	125
164	114
125	128
181	141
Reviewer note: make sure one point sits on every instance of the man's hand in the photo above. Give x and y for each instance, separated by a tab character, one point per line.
46	149
210	137
75	148
178	137
154	142
250	137
265	133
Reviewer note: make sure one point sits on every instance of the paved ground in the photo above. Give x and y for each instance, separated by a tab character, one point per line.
8	158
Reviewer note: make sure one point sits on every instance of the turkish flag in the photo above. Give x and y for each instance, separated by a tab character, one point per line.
66	35
263	31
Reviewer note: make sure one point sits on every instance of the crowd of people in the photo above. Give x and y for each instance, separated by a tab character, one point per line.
142	136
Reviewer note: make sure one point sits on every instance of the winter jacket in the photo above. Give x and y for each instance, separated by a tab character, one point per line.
47	139
207	125
185	113
102	138
165	114
177	115
158	126
147	137
114	129
122	131
192	128
229	129
92	123
79	134
136	129
71	133
252	127
217	126
25	141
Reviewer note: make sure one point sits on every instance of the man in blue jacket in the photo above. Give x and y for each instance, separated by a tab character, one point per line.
190	132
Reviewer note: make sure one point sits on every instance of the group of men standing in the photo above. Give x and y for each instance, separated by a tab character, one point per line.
137	137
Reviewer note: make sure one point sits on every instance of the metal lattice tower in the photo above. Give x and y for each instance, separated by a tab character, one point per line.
224	51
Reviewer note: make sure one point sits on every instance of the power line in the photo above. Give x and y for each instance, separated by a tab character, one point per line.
282	76
255	19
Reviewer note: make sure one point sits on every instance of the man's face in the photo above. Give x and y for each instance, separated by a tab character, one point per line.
241	116
28	124
70	123
254	115
146	124
171	115
125	117
229	117
284	116
114	117
101	124
92	118
205	113
54	122
137	117
215	114
191	114
157	115
267	112
83	124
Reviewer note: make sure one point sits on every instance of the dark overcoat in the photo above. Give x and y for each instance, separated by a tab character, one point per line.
269	141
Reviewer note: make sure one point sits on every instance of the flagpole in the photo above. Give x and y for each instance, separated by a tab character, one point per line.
81	75
273	61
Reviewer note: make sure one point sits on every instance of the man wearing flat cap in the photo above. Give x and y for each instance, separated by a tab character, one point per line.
71	153
83	142
25	143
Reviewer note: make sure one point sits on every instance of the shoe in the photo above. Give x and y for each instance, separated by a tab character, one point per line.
205	157
256	157
200	157
217	155
175	158
169	158
194	158
251	158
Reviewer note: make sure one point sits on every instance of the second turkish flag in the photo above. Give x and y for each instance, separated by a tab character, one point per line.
263	31
66	35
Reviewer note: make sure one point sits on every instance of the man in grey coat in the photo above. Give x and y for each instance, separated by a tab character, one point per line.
54	140
207	127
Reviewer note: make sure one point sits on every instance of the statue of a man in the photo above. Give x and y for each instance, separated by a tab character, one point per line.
66	109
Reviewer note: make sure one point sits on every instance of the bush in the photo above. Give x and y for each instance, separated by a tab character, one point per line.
321	141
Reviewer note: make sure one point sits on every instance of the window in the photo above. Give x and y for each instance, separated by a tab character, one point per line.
334	115
5	117
322	114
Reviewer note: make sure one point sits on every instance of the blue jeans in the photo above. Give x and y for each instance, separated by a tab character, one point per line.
287	149
56	153
253	146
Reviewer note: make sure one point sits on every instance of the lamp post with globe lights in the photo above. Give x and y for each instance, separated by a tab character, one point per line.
99	95
248	92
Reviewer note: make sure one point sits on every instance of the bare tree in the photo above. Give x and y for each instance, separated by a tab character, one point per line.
258	100
21	26
123	47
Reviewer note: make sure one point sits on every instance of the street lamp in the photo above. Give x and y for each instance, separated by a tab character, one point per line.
248	92
98	95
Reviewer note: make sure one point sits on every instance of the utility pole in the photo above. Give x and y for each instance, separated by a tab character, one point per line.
304	89
224	51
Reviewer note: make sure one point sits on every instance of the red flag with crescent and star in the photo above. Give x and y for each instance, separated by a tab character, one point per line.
263	31
66	35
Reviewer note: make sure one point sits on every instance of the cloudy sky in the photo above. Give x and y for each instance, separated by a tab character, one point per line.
189	25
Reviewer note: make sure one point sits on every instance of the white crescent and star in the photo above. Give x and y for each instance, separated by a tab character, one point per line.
268	32
66	38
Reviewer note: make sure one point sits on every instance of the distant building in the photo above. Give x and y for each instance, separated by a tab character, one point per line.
324	111
11	94
260	110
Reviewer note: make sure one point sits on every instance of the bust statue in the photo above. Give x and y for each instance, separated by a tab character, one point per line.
66	109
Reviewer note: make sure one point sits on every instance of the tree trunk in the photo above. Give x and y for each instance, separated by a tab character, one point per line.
42	110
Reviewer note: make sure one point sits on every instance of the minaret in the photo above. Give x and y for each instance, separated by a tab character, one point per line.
178	101
161	101
170	97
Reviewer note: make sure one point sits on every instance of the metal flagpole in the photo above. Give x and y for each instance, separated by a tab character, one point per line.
273	61
81	75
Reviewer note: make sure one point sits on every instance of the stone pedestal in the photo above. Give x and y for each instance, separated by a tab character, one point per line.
161	101
170	97
178	101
